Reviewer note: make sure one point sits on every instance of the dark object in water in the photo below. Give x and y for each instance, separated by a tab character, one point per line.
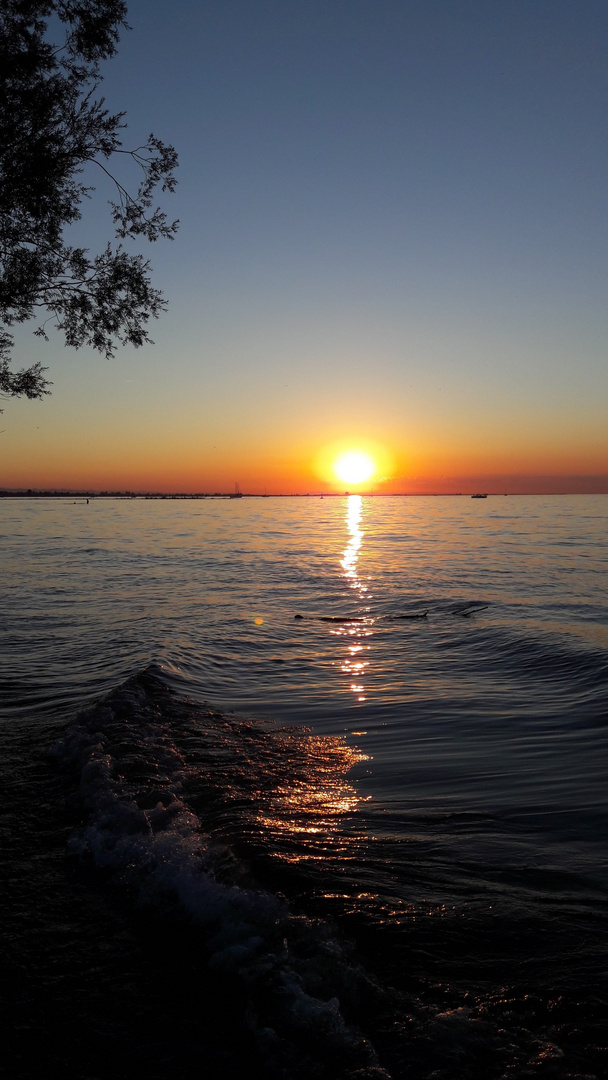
416	615
359	618
465	610
469	609
333	618
480	495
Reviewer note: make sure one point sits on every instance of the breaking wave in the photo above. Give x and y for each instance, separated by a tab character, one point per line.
163	784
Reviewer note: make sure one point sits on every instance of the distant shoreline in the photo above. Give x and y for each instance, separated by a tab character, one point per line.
65	493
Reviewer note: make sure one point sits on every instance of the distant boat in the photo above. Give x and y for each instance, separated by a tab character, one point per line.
479	496
238	494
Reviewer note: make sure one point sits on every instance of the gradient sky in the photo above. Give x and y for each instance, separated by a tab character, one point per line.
394	234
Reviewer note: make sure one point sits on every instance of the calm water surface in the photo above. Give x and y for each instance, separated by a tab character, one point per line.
398	728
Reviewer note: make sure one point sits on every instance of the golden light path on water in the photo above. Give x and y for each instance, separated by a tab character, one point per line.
355	663
308	815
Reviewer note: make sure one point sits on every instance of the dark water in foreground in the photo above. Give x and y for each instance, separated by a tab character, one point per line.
367	841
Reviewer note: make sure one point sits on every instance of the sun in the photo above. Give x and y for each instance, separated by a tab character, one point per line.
354	467
352	462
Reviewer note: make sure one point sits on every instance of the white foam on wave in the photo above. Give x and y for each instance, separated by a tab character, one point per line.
140	827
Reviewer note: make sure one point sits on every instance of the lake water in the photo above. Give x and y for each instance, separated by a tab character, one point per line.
301	787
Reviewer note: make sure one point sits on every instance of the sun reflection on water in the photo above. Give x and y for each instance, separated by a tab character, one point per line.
350	558
307	815
355	663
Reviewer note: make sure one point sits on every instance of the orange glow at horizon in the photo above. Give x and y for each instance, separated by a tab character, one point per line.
59	446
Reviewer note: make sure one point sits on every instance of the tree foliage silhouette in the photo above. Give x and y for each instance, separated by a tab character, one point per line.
53	127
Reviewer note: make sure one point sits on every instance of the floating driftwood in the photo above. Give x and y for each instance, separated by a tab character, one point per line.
334	618
469	609
415	615
464	611
359	618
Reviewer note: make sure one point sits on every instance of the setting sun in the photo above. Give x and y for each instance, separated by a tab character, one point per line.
354	467
352	462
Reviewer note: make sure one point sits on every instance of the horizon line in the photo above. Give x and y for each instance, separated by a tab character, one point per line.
127	493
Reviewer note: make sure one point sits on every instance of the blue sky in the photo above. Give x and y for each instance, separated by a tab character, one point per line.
393	228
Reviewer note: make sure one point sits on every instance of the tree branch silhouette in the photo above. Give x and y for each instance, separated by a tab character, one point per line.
53	125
